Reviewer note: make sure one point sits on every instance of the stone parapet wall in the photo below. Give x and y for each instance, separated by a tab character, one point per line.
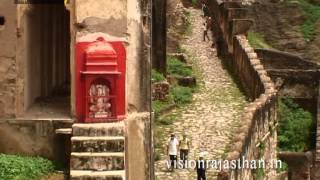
256	138
274	59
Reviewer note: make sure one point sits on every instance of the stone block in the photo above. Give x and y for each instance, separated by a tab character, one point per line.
187	81
98	129
160	90
98	144
97	175
97	161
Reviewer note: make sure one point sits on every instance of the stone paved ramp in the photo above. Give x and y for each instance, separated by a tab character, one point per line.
215	112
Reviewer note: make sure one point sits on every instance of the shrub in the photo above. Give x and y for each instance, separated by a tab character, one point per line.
156	76
24	168
295	126
176	67
181	95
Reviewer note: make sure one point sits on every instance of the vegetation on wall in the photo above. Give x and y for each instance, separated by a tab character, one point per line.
24	168
256	40
295	127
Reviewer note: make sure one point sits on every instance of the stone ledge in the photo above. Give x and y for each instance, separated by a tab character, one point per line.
97	175
99	129
97	144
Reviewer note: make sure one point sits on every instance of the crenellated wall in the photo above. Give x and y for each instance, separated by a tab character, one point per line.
256	138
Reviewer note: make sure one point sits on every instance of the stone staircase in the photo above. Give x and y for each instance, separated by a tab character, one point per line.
98	151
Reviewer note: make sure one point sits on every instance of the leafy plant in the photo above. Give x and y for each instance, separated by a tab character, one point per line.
176	67
295	127
156	76
181	95
24	168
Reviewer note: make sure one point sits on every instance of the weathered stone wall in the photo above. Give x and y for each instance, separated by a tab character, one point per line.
299	164
8	75
138	151
298	79
256	137
294	77
36	138
274	59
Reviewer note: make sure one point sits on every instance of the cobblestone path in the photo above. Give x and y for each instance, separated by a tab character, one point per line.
214	114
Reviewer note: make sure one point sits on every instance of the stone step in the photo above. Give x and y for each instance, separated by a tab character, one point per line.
99	129
97	161
97	144
64	131
97	175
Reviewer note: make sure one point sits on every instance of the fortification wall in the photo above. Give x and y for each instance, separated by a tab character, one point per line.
256	138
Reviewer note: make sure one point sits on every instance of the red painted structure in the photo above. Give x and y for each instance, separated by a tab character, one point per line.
100	81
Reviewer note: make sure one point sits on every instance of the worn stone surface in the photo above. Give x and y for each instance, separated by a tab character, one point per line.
212	118
138	149
97	178
99	129
97	163
98	151
160	90
112	145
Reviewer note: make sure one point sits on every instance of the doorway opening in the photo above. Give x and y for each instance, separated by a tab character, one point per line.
47	62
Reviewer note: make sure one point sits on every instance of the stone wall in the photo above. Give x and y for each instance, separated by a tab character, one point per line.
299	164
300	80
8	75
293	76
138	150
256	137
36	138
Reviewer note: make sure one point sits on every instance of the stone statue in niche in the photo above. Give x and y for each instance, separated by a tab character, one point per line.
99	105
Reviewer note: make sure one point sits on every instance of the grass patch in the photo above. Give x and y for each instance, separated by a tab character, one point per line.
256	40
23	167
177	68
181	95
295	127
156	76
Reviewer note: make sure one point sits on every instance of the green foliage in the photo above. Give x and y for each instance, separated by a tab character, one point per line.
313	14
256	40
259	174
156	76
181	95
295	126
176	67
284	167
23	168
